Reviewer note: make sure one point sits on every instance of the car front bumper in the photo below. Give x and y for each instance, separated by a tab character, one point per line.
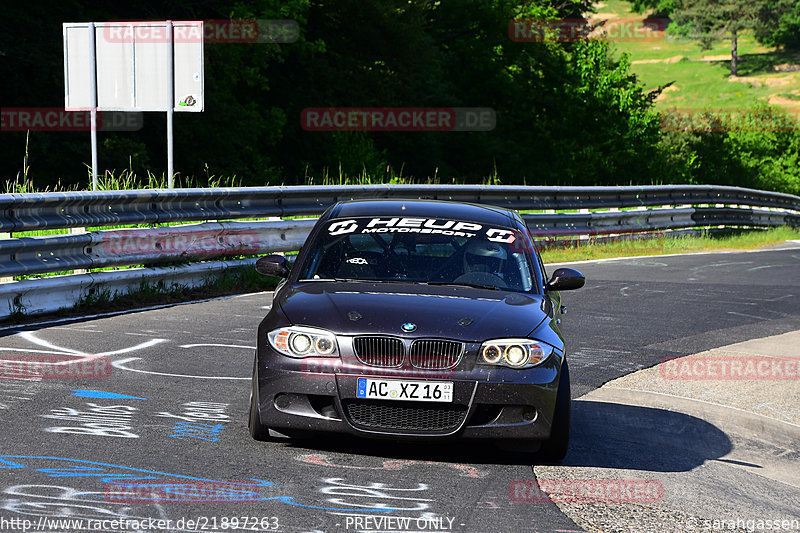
488	402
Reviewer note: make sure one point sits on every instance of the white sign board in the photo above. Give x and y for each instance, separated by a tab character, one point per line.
141	66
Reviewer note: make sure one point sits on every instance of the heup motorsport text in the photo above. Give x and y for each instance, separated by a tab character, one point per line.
453	228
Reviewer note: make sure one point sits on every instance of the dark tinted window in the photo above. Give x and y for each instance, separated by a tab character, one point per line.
420	250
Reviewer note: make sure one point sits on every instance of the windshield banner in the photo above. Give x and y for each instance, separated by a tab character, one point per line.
434	226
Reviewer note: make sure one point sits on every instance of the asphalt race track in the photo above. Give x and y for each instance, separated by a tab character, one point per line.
163	435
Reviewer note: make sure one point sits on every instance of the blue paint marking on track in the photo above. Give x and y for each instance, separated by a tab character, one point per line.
81	468
88	393
206	432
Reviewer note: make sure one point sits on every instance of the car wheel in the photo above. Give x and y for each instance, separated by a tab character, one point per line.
555	448
257	430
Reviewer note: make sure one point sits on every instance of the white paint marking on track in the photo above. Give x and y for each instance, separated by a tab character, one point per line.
777	298
219	345
30	337
721	264
765	266
746	315
120	364
31	350
140	346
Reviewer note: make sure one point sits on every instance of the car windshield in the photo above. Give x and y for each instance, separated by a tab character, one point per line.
444	252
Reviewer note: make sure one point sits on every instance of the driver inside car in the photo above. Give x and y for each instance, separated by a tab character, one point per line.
485	256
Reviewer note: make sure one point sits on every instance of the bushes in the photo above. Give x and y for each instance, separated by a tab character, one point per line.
567	113
759	148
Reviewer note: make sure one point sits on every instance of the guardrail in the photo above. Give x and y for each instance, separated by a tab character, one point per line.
24	212
624	210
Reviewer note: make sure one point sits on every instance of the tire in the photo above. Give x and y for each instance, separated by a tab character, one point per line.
258	430
555	448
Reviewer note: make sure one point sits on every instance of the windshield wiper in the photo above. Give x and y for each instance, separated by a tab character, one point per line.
463	284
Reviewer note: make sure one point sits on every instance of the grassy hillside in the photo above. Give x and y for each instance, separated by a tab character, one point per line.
701	78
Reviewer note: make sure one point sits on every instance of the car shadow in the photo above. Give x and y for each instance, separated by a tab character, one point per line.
604	435
612	435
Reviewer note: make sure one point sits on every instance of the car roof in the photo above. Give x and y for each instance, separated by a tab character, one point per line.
486	214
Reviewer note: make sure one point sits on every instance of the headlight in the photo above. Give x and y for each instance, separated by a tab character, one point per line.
491	353
516	353
299	341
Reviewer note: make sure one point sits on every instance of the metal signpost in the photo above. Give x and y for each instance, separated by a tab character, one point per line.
134	66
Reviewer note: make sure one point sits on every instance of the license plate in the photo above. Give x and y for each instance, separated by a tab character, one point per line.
391	389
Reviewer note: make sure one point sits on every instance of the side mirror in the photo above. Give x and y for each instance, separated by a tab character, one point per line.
565	279
273	265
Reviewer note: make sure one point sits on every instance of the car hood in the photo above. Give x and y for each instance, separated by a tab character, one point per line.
463	313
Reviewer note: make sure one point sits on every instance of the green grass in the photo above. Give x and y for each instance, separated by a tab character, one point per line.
620	7
129	180
703	83
707	85
735	240
124	181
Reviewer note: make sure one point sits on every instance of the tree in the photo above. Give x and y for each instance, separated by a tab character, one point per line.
663	7
778	20
780	26
708	21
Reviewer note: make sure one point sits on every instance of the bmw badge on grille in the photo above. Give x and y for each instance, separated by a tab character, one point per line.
409	327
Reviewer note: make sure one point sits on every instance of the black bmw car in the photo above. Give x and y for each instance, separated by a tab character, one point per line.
415	319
